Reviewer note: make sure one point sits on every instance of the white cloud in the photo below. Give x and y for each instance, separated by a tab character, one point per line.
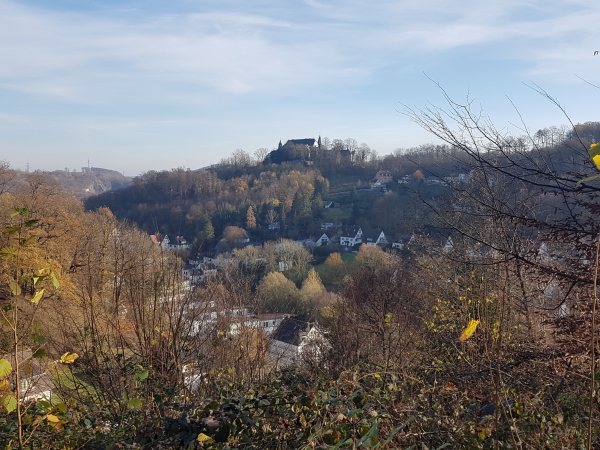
86	58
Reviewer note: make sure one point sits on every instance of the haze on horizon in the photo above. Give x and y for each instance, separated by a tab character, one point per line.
134	86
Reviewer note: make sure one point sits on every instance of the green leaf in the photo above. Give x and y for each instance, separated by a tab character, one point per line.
31	223
5	367
134	403
38	278
142	375
396	430
585	180
39	353
39	339
44	404
15	288
12	230
62	407
343	443
10	403
8	253
370	439
212	405
54	281
38	296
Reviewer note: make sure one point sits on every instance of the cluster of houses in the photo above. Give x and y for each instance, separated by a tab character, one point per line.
179	243
202	268
206	265
289	339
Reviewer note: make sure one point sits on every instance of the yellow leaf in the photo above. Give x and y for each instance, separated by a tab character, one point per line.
52	418
153	342
38	296
4	385
468	332
204	438
5	367
69	358
594	153
27	369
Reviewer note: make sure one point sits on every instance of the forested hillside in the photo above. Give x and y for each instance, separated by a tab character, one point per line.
483	336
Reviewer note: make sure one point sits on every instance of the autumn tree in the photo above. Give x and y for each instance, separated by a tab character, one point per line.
335	270
286	256
370	258
312	290
234	234
279	295
418	175
250	219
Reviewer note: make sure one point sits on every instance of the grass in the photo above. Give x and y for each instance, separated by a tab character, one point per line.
336	214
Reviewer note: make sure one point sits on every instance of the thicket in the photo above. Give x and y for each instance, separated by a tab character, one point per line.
486	343
184	202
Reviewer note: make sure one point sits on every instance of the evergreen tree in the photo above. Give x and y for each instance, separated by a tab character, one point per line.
356	213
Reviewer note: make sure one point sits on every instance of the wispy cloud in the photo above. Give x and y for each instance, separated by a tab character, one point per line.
72	54
121	73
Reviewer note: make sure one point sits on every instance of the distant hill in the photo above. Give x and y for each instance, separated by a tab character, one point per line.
90	181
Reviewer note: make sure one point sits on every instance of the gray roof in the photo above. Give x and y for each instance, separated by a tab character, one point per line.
308	141
290	330
372	235
350	232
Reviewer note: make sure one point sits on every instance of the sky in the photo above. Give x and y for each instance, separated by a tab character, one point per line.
150	85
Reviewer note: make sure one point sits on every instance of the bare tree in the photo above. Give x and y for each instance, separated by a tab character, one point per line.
260	155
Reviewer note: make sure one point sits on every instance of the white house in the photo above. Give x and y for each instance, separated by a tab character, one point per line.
295	340
35	384
266	322
178	244
375	237
351	236
323	240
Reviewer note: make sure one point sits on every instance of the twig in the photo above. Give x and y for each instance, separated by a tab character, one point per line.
593	346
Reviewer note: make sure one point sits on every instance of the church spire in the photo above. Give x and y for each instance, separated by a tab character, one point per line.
279	148
319	141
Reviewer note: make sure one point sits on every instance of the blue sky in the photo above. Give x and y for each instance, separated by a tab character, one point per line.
142	85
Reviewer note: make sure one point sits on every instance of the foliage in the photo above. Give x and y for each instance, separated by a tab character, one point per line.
250	219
